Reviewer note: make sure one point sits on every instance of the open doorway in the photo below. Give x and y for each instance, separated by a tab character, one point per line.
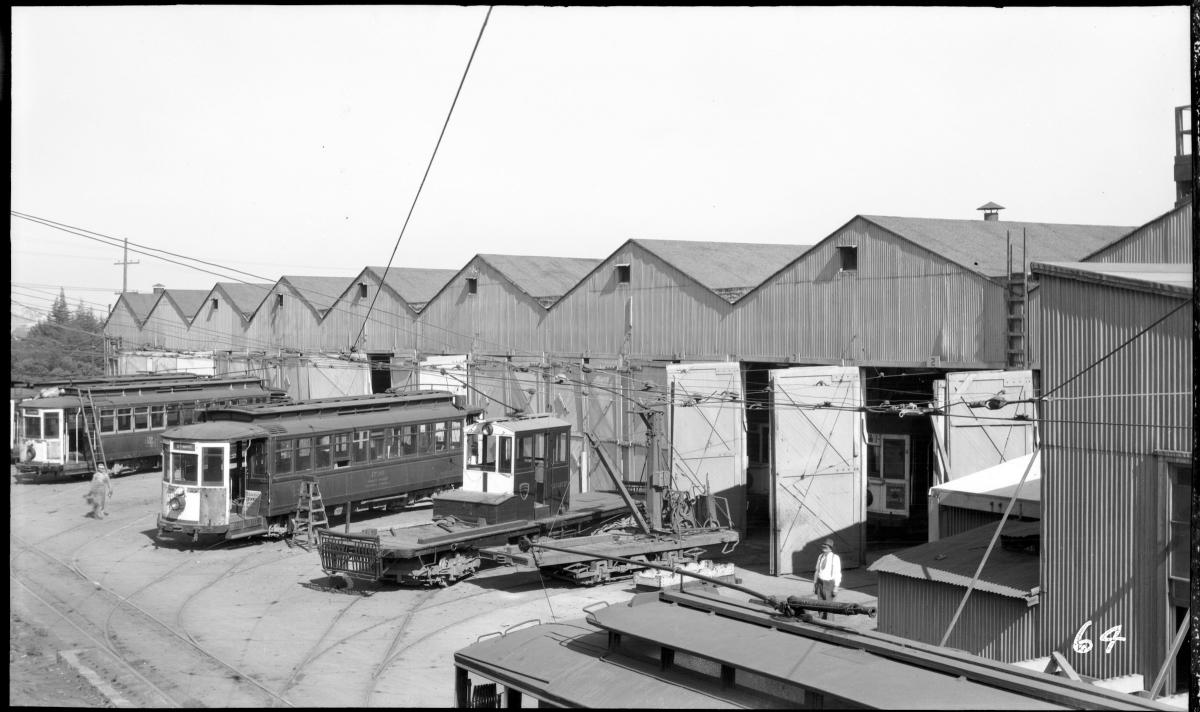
381	372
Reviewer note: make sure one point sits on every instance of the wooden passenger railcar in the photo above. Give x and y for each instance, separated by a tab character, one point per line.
118	422
239	474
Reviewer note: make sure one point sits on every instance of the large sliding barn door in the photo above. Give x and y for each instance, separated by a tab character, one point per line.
973	436
819	489
709	432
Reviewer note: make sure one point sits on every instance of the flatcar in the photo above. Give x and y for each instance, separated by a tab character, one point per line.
240	473
516	482
118	422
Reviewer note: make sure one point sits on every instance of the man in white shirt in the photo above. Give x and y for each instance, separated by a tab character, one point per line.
828	575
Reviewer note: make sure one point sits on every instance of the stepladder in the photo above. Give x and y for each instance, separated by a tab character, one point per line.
310	514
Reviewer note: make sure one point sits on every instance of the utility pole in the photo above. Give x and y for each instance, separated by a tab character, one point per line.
125	267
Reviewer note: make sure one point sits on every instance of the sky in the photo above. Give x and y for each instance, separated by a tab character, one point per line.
273	140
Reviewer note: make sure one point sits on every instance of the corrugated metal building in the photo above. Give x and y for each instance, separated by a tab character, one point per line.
222	322
290	319
921	588
1165	239
124	323
392	327
166	327
1116	487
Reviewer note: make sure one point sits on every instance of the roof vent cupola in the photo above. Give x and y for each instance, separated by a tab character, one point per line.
991	211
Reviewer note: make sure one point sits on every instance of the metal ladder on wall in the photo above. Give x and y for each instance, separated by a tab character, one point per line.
88	412
1015	305
310	514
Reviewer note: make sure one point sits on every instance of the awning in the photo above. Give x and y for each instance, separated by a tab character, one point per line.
989	490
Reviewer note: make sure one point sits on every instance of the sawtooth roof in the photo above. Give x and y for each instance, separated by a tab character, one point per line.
244	297
953	560
140	304
543	278
731	269
415	285
981	245
188	301
321	293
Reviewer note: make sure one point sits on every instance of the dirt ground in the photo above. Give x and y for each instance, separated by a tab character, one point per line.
36	677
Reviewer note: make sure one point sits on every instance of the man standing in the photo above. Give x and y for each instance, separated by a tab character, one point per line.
99	492
828	575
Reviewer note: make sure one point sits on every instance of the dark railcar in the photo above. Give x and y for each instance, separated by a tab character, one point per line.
240	473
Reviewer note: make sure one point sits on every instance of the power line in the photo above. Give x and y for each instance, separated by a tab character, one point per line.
428	166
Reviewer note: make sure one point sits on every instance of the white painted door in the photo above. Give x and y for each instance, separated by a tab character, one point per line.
973	436
818	468
708	435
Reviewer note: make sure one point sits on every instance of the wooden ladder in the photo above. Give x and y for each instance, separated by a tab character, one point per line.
88	411
310	514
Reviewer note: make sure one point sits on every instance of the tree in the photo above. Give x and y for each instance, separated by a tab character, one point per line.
65	344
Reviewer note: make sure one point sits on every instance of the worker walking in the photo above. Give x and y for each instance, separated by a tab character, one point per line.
99	492
828	575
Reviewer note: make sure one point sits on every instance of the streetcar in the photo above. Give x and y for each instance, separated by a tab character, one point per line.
117	422
241	472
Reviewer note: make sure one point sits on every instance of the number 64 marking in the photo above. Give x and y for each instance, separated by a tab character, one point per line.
1083	645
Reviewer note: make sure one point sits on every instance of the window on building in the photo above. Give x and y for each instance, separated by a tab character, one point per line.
848	258
215	303
472	285
622	274
279	299
362	290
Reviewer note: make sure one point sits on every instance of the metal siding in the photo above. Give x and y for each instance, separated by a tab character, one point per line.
391	326
956	520
991	626
1102	558
591	318
123	325
498	319
1165	240
902	305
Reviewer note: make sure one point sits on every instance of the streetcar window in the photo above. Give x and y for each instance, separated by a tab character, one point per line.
439	437
561	449
283	456
214	467
258	458
506	454
303	454
50	424
124	419
483	452
341	449
141	418
424	443
184	468
360	445
108	423
157	416
172	415
455	434
525	456
376	447
390	444
408	439
323	460
33	425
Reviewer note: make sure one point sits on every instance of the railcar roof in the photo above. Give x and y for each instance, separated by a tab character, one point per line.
336	404
524	425
147	397
300	424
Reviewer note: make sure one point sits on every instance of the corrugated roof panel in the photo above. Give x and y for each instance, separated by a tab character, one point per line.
245	297
189	301
140	304
415	285
981	245
544	278
320	292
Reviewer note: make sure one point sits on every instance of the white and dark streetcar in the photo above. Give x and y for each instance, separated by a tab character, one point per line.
117	422
241	473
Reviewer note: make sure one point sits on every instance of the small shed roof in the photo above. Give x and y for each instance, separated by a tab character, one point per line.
321	293
953	560
981	245
731	269
543	278
415	285
1000	481
1175	279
